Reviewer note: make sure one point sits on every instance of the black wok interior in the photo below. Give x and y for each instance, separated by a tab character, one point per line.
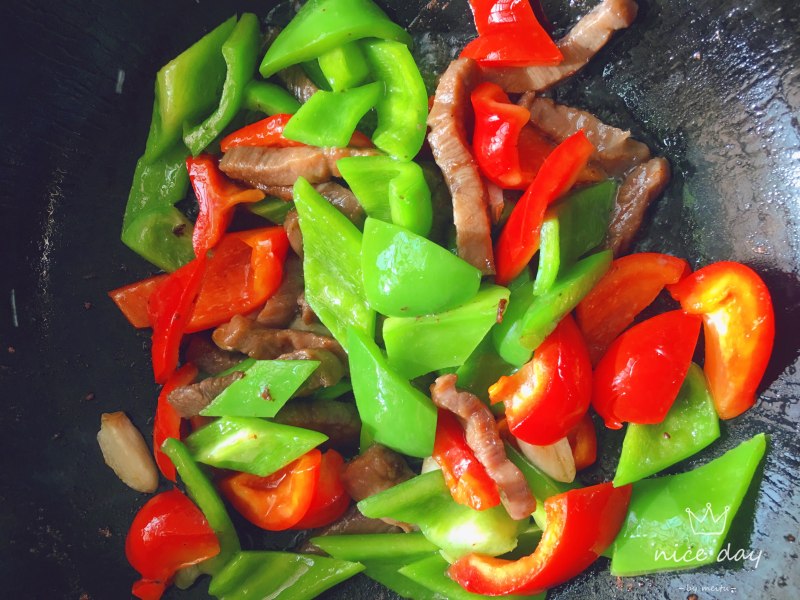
712	84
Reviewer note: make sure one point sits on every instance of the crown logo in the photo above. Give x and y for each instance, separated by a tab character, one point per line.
707	523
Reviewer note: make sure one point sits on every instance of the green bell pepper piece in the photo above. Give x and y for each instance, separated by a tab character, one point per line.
482	369
280	575
313	71
584	217
387	573
332	265
330	118
322	25
240	52
187	89
406	275
334	391
549	254
162	236
690	425
152	227
419	345
202	491
403	109
251	445
271	209
681	521
242	366
157	184
431	572
384	555
541	485
344	67
393	412
456	529
262	392
270	99
390	190
530	319
376	546
571	228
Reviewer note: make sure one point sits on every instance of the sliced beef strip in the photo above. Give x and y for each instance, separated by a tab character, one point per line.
448	141
189	400
617	155
578	46
271	166
307	314
263	343
351	523
338	420
329	372
642	185
298	83
484	440
282	307
291	224
616	152
208	357
377	469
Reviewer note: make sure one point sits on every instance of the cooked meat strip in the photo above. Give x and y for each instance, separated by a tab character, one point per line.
189	400
643	178
307	314
338	420
282	166
448	141
298	83
641	186
291	224
208	357
616	152
484	440
329	372
281	308
351	523
377	469
249	337
578	46
343	199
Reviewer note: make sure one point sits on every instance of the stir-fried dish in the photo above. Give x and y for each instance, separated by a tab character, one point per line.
399	315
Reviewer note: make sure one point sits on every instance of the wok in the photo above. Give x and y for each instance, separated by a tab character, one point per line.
712	84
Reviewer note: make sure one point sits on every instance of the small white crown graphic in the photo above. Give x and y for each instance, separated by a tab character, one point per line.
707	523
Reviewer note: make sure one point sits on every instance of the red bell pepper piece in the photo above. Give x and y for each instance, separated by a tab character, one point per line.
266	132
330	500
467	478
583	441
509	35
269	133
245	269
132	299
739	325
167	422
278	501
168	533
170	308
639	377
550	394
631	284
216	196
498	123
581	524
519	239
